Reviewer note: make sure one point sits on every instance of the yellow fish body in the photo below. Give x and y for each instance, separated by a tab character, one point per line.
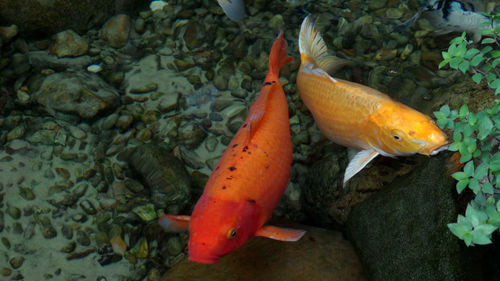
358	116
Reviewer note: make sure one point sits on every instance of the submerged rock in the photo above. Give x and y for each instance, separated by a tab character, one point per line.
319	255
81	93
116	31
401	233
164	174
69	44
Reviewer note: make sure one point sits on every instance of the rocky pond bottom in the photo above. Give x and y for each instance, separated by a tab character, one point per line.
109	121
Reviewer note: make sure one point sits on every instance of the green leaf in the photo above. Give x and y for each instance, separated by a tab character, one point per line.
470	53
485	126
469	169
495	84
474	186
460	175
461	185
495	54
445	109
465	156
479	238
488	41
495	219
487	188
476	60
464	66
446	55
495	163
468	238
454	146
454	62
443	63
465	222
477	78
474	215
481	171
486	49
472	119
457	229
485	229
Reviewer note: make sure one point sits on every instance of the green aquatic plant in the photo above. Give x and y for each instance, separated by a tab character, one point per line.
476	136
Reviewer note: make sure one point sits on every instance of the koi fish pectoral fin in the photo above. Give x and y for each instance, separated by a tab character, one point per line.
258	109
171	223
358	162
280	233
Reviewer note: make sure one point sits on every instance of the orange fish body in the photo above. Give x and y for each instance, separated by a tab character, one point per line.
249	179
358	116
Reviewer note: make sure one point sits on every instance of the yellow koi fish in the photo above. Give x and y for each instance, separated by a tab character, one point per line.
358	116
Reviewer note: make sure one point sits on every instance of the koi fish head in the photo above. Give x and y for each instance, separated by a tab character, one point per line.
219	227
406	131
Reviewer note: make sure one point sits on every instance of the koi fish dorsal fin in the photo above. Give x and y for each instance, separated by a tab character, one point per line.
358	162
234	9
280	233
277	58
313	48
258	109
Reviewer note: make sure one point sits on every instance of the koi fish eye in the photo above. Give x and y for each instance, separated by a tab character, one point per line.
231	233
396	137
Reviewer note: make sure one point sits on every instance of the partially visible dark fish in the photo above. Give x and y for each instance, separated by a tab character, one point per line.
450	16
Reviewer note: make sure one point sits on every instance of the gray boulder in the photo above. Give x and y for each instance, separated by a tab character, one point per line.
81	93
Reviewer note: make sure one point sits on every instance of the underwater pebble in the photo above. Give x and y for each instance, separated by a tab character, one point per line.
109	121
68	43
5	271
88	207
145	212
67	231
82	238
69	247
79	218
77	133
124	121
133	185
191	158
14	212
149	87
6	242
157	5
94	68
16	133
116	31
169	102
16	262
174	245
63	172
211	143
8	32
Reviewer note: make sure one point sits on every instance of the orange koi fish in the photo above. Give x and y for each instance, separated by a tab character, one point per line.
358	116
249	179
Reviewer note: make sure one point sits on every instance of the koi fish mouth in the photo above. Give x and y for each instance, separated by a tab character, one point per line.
439	149
203	260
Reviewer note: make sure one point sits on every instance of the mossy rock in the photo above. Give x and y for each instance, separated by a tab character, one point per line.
401	234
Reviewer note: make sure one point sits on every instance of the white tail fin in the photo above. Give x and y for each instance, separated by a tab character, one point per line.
234	9
313	49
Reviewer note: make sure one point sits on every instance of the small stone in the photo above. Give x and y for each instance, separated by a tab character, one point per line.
16	262
82	238
169	102
386	54
14	212
139	25
221	103
174	246
277	23
110	121
393	13
116	31
67	231
191	135
69	247
182	64
23	98
124	122
69	44
149	87
63	172
146	212
77	133
16	133
211	143
191	158
8	32
88	207
133	185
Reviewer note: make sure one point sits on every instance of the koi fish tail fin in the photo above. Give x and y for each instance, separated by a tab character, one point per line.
234	9
313	49
278	56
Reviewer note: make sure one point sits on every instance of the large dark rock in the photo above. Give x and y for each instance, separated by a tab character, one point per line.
38	17
164	175
319	255
401	233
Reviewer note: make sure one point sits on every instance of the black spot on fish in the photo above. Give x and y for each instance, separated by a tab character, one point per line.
217	168
229	178
235	145
232	168
267	167
267	84
223	187
249	152
251	201
244	125
273	82
245	148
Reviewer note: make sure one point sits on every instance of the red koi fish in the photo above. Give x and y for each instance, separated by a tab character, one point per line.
249	179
